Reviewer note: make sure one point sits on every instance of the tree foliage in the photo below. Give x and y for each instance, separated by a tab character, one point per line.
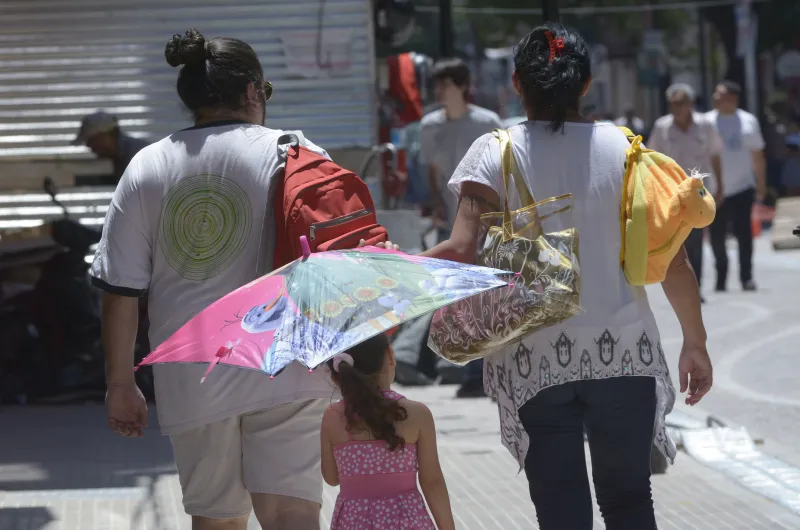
619	30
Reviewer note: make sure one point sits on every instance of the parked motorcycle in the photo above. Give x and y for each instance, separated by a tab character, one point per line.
54	328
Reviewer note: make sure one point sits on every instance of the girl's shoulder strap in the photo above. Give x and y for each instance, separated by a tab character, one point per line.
391	394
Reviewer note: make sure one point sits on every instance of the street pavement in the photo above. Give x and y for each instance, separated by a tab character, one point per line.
60	469
754	343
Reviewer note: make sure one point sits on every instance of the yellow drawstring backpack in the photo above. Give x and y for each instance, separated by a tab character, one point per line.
661	205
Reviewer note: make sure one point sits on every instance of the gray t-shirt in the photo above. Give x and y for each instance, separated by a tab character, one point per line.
191	221
444	143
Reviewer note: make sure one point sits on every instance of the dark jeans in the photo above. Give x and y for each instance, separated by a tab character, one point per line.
694	249
735	212
617	415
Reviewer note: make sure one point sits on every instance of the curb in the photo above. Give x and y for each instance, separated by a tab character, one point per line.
681	420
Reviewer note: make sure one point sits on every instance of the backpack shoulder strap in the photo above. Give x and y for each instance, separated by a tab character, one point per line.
630	180
627	132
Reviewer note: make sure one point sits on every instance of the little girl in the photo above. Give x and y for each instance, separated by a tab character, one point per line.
373	443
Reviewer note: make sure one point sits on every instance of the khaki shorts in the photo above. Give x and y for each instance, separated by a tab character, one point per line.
275	450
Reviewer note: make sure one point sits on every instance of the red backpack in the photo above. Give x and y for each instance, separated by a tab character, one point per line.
318	199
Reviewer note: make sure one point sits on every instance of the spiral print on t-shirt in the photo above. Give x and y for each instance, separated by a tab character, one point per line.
205	224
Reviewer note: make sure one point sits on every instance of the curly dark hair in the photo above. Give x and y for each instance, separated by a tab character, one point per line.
553	88
365	406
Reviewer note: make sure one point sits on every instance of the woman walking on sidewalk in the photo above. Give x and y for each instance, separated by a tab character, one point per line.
602	372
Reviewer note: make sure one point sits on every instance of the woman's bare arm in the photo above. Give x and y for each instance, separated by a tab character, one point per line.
475	200
683	293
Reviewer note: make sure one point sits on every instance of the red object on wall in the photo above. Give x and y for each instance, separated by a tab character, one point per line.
406	102
403	89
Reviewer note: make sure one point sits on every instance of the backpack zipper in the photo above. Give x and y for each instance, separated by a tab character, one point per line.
668	244
312	230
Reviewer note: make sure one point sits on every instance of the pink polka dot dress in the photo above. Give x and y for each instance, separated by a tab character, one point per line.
378	487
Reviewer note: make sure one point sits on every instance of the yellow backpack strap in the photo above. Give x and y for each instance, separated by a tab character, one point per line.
627	132
632	157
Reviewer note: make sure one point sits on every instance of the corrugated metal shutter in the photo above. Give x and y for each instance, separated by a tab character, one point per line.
60	60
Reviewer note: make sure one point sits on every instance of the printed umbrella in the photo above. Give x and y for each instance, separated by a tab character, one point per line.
321	305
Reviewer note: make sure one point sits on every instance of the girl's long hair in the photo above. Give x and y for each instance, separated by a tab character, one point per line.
365	405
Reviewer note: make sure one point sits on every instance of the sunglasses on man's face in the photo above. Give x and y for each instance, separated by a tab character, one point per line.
266	86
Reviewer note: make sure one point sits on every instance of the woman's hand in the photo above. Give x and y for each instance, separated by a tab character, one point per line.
695	373
388	245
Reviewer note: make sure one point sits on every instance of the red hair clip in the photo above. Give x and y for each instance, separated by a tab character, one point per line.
556	45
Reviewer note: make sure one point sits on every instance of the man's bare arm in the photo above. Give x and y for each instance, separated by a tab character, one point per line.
760	169
437	200
120	322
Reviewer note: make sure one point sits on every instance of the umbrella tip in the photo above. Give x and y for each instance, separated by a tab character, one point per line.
305	247
271	376
311	370
203	380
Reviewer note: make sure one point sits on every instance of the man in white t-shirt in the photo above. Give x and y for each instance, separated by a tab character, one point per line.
690	139
191	221
745	181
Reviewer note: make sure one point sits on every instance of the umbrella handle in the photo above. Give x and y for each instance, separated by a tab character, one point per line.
304	247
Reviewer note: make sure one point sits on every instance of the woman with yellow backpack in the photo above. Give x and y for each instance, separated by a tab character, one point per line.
603	371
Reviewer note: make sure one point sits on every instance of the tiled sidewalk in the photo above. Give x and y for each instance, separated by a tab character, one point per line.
61	470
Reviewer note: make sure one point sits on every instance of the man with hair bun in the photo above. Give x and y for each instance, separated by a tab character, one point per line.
690	139
189	223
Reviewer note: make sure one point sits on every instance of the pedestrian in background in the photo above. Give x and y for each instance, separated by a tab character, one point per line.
445	136
101	133
633	122
690	139
790	172
187	226
602	372
744	171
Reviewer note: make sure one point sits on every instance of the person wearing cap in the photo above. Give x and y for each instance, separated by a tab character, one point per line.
100	132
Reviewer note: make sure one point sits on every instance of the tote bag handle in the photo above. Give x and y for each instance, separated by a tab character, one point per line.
511	171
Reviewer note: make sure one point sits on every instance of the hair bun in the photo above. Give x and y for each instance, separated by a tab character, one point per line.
188	49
